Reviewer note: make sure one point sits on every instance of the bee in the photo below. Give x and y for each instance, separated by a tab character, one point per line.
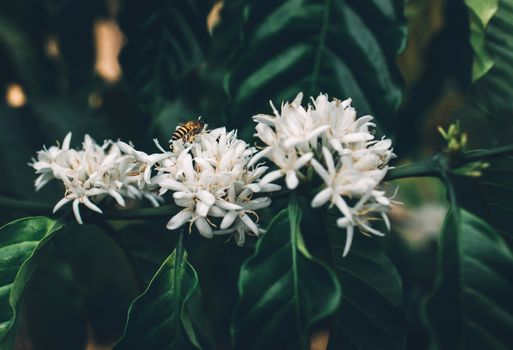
188	130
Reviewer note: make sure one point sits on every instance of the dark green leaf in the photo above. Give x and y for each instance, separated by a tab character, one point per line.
146	247
283	290
372	314
471	307
21	243
346	48
489	196
480	14
160	318
494	91
166	40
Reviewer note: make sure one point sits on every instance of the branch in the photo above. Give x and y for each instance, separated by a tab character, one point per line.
24	206
34	208
426	167
473	156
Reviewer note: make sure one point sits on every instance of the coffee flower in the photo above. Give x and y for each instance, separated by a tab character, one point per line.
328	136
91	174
212	181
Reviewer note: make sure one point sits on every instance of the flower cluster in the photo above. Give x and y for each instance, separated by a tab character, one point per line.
212	180
328	136
91	174
217	180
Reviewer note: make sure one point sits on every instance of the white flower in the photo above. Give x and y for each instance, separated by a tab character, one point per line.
91	174
213	181
329	137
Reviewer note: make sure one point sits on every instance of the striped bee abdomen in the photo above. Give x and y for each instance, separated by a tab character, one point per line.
188	130
179	133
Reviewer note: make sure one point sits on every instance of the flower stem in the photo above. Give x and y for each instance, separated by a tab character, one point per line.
141	214
34	208
426	167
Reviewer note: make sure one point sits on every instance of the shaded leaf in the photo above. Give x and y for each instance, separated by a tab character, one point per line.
166	40
494	91
480	14
160	317
471	307
21	243
371	315
283	290
489	196
146	247
344	48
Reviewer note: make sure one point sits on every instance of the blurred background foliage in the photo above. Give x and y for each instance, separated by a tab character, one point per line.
60	72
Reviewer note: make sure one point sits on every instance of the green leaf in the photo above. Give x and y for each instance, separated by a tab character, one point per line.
494	91
283	290
489	196
160	318
345	48
481	12
471	307
371	315
166	40
21	243
147	248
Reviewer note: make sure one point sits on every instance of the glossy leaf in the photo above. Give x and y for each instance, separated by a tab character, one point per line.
160	317
494	91
471	307
489	196
480	14
371	315
345	48
283	290
21	243
166	39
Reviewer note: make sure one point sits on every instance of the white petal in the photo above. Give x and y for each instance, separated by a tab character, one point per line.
66	141
91	206
258	203
183	195
179	219
322	197
357	137
203	227
342	206
206	197
119	199
317	131
298	99
172	185
152	198
188	168
202	208
272	176
249	223
265	133
258	156
328	158
221	203
321	171
291	179
386	220
228	220
305	158
216	212
60	204
76	211
269	188
147	174
349	239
